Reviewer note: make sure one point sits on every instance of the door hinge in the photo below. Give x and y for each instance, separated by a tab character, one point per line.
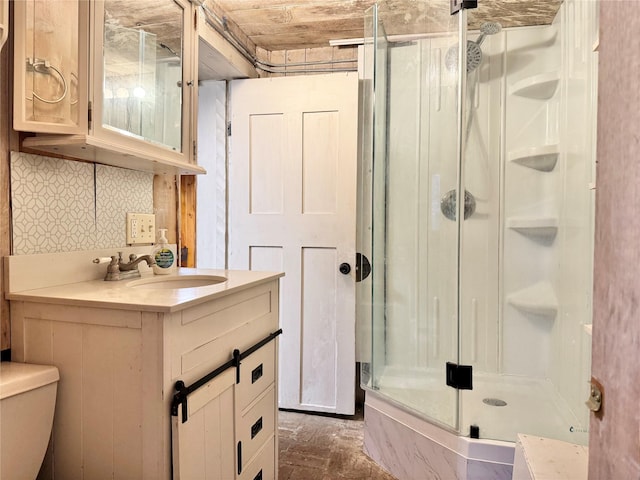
460	376
89	114
195	149
228	129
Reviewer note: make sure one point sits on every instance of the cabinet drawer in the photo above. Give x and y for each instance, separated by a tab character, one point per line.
263	467
257	373
254	427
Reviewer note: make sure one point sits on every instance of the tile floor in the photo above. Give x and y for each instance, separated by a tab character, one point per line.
317	447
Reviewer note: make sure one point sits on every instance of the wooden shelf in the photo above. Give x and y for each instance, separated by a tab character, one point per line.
543	158
539	299
534	226
92	149
542	86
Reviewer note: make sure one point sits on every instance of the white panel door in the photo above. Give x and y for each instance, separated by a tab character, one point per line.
292	200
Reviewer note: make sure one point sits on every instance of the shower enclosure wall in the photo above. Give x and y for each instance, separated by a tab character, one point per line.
507	144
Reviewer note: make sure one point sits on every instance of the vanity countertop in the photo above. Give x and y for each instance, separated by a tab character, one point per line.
121	295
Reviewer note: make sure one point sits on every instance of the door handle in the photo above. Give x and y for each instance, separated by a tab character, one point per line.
345	268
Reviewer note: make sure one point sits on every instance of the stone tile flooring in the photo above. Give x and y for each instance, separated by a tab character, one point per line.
317	447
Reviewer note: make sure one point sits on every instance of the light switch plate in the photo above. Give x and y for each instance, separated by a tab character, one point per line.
141	228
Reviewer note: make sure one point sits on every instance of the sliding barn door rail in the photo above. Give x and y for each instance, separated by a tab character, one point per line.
183	391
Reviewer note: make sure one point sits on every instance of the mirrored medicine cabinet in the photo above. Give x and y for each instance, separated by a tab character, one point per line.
111	81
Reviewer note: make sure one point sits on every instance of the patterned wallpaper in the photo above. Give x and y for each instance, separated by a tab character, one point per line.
119	191
64	206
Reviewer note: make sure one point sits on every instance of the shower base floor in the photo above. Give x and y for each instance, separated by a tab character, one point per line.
533	406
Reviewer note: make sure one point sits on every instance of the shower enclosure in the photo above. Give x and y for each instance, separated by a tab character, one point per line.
476	213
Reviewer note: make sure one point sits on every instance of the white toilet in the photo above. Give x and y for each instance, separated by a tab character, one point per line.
27	403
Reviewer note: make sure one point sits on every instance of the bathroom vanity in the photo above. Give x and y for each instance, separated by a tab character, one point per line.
122	346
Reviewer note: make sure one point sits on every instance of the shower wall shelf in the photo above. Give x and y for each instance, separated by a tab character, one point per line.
539	299
542	86
543	158
534	226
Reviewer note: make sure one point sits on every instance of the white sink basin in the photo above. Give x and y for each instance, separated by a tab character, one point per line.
173	282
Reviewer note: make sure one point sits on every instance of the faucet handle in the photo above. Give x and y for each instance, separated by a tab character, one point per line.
114	266
101	260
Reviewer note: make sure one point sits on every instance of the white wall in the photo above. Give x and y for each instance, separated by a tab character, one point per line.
211	188
571	345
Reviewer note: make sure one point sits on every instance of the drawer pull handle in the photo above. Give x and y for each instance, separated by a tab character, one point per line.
258	476
239	451
256	373
256	427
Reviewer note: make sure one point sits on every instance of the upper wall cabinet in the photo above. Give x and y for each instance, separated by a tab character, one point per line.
128	99
4	22
50	66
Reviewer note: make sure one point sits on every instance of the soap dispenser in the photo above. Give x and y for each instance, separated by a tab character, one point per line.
163	255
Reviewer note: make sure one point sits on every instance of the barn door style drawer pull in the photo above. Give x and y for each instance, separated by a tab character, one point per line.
256	374
237	356
256	427
258	476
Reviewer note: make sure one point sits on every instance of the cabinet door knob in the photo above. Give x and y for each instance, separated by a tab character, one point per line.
345	268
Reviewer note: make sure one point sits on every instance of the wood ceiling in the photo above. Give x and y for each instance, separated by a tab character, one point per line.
293	24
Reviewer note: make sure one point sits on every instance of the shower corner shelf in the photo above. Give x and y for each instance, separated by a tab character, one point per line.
534	226
542	86
539	299
543	158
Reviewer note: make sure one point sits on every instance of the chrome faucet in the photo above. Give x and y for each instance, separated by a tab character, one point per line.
118	270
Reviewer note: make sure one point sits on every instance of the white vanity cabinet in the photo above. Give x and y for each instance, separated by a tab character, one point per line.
118	371
109	81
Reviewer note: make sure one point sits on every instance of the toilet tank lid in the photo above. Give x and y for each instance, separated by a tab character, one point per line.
16	378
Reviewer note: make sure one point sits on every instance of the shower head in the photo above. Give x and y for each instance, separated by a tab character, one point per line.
474	56
488	28
474	52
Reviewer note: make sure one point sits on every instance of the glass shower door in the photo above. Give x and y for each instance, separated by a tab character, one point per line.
414	232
